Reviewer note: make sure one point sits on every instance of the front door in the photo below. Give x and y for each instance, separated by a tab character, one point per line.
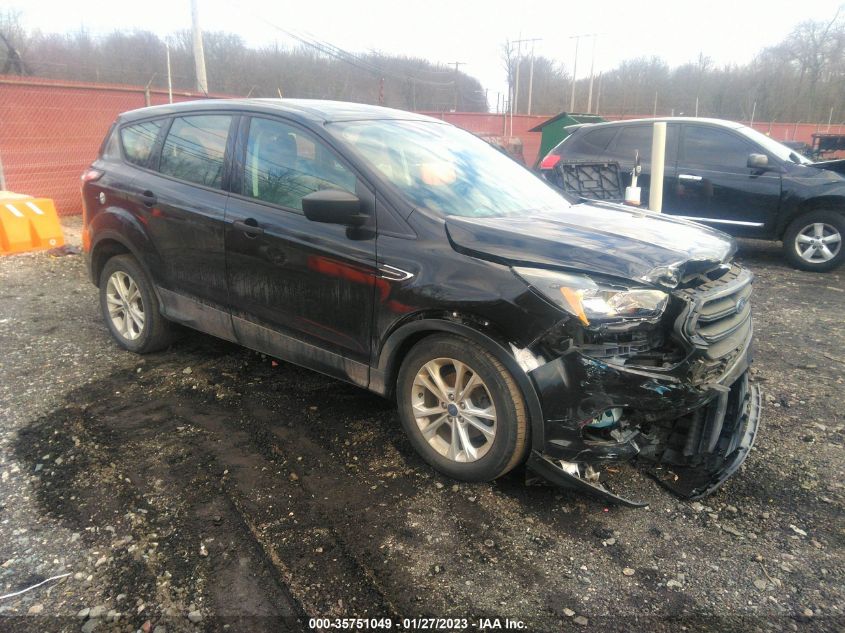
714	184
298	290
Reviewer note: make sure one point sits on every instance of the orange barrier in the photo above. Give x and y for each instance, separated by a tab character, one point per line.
28	224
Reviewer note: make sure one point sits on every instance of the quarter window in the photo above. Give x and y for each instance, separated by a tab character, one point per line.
138	141
715	148
285	164
194	149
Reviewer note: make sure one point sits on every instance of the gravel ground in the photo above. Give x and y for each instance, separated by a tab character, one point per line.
210	488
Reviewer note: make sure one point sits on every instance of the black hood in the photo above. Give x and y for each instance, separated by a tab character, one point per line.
837	166
602	239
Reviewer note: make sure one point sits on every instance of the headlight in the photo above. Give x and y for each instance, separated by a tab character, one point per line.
594	302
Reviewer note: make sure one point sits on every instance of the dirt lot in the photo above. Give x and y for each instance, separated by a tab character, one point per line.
210	488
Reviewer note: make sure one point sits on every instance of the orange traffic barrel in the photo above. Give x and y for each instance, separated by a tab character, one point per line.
28	224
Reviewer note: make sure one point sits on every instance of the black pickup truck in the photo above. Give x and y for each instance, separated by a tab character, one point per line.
728	176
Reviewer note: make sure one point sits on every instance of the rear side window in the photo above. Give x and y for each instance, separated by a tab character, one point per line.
194	149
138	141
712	147
590	143
633	139
284	164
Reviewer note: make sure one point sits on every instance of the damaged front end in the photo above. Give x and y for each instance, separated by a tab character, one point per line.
664	385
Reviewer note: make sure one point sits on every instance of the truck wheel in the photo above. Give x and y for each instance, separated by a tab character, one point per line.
130	307
461	408
813	241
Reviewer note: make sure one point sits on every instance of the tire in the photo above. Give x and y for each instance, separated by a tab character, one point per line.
487	449
824	224
123	272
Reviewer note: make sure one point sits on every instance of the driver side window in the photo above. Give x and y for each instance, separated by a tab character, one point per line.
284	164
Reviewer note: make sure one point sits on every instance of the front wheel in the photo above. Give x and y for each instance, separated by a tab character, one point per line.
813	241
461	408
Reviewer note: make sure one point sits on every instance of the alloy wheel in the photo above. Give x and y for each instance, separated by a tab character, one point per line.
454	410
818	242
125	305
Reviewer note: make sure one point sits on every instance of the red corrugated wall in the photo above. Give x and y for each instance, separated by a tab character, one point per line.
51	130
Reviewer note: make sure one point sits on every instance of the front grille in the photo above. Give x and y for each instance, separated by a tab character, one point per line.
717	317
622	346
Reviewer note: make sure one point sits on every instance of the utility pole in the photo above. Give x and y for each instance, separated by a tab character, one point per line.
169	76
598	95
592	66
519	43
515	108
199	55
577	39
457	64
574	73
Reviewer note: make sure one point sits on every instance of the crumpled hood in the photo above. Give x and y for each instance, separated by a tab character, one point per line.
596	238
835	166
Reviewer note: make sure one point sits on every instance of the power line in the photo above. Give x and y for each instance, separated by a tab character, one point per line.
350	58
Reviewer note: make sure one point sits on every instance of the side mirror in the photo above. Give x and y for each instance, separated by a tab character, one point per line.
758	161
333	207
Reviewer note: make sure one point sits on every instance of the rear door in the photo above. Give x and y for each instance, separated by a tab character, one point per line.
714	184
186	201
635	140
299	290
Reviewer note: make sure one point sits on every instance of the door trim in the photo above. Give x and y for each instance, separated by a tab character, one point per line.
274	343
196	314
716	220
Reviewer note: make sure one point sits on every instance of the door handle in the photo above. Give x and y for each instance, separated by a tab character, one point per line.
249	227
148	198
690	177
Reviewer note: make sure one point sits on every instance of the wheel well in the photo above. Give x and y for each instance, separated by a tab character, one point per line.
827	203
393	354
102	253
398	357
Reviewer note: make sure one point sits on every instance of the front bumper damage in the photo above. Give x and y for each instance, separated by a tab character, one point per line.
689	430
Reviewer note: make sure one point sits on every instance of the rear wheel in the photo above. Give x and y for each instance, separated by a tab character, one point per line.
814	241
462	410
130	307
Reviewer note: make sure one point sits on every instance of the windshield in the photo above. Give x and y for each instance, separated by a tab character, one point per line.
773	147
447	170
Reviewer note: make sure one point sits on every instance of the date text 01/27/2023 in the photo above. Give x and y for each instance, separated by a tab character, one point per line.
416	624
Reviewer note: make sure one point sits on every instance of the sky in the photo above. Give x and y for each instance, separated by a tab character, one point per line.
471	32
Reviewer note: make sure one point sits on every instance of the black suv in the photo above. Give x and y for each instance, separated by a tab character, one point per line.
730	176
406	256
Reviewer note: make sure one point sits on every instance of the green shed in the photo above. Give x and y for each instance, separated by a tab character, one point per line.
554	130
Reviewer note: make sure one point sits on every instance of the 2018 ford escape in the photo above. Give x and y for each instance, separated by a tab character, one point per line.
406	256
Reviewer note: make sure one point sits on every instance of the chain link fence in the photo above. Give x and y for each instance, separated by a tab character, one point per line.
50	131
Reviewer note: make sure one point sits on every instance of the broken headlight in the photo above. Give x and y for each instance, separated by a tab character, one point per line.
595	302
